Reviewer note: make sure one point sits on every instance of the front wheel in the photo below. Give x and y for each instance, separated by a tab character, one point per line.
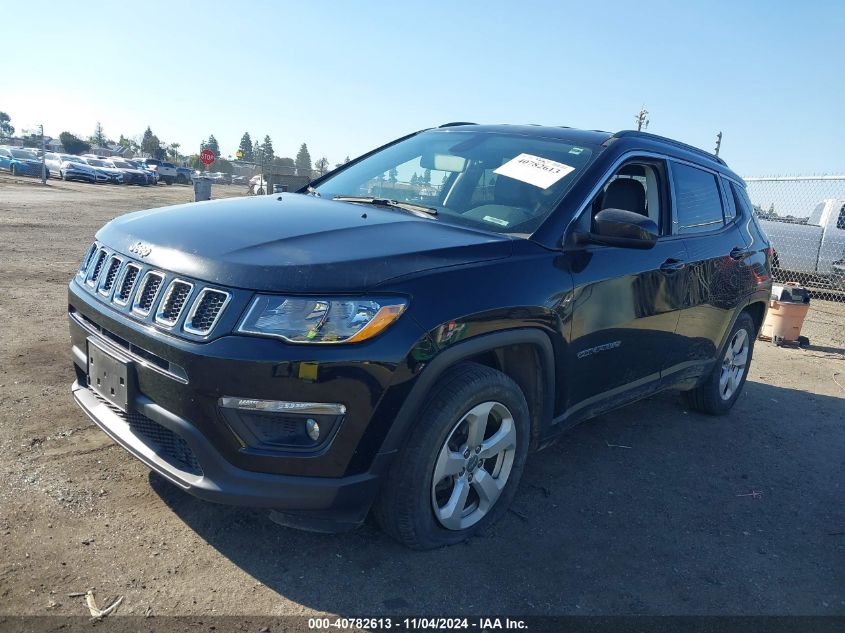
721	389
460	469
14	170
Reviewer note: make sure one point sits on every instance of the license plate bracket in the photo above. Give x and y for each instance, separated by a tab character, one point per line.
110	376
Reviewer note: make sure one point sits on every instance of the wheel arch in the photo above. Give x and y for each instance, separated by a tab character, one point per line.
525	355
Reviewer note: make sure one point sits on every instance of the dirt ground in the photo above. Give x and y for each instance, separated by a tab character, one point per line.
649	510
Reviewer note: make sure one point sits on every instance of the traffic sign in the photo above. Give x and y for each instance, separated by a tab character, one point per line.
239	153
207	157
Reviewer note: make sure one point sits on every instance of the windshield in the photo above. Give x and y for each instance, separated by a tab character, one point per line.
121	164
506	183
18	153
96	163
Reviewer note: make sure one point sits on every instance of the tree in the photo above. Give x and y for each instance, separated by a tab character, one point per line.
150	143
246	148
98	139
427	177
267	149
73	144
128	143
322	165
257	156
212	144
282	165
303	161
173	151
393	175
6	128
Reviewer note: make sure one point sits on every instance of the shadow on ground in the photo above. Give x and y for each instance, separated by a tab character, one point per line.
648	510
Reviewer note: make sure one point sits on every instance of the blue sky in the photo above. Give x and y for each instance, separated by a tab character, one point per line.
345	77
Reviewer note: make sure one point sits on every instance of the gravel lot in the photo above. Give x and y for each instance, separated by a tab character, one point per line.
648	510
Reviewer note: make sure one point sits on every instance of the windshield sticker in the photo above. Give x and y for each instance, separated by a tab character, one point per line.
490	218
576	150
537	171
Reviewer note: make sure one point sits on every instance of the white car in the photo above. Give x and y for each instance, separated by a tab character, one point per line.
115	175
70	167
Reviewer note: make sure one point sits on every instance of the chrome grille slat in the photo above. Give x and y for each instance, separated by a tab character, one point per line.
147	293
206	311
107	282
86	261
126	284
174	301
94	272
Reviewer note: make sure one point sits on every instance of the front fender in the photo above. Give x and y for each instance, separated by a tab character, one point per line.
448	357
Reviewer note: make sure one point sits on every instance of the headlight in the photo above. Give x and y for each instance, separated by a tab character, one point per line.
321	320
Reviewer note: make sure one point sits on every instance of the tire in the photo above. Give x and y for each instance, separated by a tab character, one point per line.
169	180
721	389
405	508
14	170
62	175
180	180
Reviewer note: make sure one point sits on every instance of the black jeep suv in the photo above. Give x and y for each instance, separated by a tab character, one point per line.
399	335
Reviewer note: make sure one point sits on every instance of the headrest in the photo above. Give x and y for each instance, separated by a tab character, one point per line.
625	193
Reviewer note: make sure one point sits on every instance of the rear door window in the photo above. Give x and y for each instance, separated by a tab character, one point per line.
698	202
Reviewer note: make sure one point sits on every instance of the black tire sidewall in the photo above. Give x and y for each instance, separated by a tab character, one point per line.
440	416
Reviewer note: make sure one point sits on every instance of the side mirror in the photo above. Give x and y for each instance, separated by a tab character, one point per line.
626	229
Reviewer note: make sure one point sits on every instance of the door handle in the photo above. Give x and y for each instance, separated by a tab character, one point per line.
672	264
740	253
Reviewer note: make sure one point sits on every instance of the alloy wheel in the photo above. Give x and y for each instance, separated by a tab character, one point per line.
473	466
733	364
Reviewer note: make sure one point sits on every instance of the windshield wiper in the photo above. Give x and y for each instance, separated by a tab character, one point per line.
385	202
312	192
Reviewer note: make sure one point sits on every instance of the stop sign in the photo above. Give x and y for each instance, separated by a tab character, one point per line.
207	157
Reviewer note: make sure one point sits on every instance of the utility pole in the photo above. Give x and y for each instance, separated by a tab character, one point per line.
642	119
43	154
718	142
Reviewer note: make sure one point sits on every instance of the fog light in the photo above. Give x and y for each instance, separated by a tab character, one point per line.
313	429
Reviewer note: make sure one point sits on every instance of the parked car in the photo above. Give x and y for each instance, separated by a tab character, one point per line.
184	175
152	175
239	180
115	175
340	349
131	175
166	171
20	162
813	252
70	167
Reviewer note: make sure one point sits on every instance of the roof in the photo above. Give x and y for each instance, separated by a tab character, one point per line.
593	137
632	138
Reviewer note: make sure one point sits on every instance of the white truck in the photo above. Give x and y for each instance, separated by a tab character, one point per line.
813	252
166	171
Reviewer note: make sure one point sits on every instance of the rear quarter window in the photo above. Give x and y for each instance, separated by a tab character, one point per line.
698	202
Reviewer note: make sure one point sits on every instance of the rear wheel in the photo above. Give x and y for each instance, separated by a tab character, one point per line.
460	469
721	389
14	170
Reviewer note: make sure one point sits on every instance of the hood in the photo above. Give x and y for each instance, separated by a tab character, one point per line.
297	243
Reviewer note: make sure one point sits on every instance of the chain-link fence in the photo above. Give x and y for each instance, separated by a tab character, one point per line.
804	217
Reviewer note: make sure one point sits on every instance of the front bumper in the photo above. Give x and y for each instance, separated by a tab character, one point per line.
178	385
198	468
